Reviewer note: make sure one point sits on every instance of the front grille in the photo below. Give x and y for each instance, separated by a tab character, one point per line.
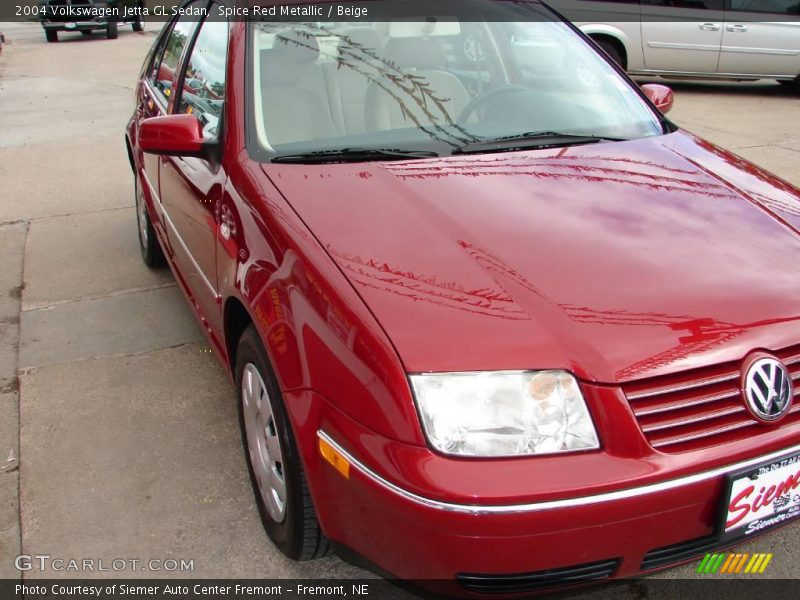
701	408
670	555
529	582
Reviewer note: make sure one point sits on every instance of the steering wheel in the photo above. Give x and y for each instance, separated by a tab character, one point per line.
487	97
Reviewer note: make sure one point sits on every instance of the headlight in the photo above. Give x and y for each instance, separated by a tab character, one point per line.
504	413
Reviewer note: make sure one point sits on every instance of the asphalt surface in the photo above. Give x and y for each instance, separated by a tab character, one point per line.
118	430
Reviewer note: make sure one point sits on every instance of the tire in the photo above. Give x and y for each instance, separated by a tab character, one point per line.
112	30
612	51
138	24
152	255
51	35
86	32
266	432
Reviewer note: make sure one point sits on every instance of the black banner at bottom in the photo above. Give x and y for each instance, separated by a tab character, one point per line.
708	588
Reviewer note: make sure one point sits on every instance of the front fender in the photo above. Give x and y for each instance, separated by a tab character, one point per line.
317	331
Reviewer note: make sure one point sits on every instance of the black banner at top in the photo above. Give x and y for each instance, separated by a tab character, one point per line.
580	11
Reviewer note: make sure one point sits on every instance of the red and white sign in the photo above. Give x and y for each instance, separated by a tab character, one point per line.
764	498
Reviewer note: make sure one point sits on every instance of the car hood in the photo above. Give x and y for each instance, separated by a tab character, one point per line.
616	261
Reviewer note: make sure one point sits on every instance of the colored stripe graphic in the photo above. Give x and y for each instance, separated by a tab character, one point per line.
701	568
740	565
716	563
766	562
752	563
731	559
731	564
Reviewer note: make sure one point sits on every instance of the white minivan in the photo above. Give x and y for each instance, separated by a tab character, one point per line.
738	39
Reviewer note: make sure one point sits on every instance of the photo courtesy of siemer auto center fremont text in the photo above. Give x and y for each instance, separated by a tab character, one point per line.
399	299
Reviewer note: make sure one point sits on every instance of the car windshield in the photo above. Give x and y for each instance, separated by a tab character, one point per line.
435	85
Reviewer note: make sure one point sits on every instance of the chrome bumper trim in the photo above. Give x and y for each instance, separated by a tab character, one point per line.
487	509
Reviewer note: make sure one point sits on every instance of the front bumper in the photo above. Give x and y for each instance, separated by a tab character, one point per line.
450	524
554	543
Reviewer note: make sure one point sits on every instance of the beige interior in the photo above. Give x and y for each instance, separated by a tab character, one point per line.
308	94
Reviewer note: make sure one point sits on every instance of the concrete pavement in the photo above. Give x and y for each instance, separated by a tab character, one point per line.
125	425
128	424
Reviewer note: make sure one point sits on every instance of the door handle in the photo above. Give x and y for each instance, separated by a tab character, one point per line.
710	26
738	28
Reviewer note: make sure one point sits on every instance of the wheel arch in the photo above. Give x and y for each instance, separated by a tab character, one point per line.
236	318
612	35
129	148
616	43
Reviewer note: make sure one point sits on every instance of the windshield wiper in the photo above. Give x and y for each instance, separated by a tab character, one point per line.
354	155
538	139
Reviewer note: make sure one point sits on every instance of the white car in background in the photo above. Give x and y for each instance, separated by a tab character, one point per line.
731	39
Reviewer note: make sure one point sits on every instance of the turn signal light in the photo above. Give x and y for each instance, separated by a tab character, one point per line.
338	461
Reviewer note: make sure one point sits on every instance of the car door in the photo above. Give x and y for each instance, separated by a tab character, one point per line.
192	188
155	93
682	36
761	38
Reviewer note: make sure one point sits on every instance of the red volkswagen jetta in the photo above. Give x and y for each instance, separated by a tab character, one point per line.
493	320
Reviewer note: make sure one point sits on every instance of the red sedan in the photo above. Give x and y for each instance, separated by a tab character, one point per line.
494	321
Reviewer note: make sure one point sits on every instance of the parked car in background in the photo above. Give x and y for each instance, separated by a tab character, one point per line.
87	16
495	323
731	39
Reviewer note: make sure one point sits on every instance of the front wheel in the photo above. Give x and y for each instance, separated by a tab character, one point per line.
276	471
138	24
51	35
112	31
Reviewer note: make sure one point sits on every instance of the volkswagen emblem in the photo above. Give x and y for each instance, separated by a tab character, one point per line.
768	389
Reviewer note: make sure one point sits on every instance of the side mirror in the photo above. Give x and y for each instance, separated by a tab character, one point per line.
660	95
173	135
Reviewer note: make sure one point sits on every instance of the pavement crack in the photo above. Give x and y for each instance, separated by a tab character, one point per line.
33	307
61	215
16	222
789	149
82	213
23	372
752	147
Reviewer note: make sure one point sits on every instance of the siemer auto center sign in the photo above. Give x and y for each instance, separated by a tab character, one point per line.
184	589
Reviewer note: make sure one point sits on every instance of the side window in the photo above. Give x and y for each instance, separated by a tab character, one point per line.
157	53
164	72
203	93
781	7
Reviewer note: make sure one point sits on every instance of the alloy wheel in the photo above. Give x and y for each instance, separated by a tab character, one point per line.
263	444
141	217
